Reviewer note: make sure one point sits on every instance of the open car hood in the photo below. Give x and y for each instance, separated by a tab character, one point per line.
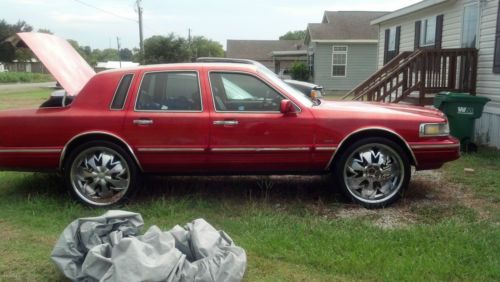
60	58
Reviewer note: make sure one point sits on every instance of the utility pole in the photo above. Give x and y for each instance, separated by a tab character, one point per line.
191	59
141	41
119	57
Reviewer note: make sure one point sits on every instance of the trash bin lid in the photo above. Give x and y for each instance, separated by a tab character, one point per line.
447	96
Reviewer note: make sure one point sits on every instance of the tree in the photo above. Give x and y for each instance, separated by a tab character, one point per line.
299	71
171	49
126	54
294	35
8	53
203	47
44	30
108	54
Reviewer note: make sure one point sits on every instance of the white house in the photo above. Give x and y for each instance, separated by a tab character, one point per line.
452	24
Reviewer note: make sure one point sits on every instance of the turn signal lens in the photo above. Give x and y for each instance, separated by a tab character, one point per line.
434	129
314	94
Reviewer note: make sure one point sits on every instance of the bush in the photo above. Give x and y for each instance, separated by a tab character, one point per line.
25	77
299	71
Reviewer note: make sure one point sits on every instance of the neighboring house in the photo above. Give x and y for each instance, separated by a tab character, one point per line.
277	55
342	49
101	66
33	65
450	24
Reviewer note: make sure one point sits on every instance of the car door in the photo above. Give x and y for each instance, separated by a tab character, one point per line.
247	130
167	123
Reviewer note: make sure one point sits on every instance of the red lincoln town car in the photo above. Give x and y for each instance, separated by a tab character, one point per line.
211	118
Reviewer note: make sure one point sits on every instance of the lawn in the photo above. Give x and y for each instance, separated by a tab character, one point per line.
23	77
24	98
292	228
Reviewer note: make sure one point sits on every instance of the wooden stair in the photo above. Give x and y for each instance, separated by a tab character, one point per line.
415	77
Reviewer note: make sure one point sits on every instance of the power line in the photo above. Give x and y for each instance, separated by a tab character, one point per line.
105	11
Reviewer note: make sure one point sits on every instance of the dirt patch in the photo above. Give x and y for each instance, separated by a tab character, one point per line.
389	218
430	197
431	187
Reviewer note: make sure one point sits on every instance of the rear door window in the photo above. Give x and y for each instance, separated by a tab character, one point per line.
169	91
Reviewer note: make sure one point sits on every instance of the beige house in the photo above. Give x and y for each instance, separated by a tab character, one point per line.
455	27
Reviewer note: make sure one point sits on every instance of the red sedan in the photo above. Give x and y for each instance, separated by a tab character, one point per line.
212	118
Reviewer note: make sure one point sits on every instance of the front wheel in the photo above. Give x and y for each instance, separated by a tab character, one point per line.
373	172
101	174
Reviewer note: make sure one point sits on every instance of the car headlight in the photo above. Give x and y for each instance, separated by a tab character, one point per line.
434	129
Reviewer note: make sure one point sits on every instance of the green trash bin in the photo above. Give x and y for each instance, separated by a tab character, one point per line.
462	110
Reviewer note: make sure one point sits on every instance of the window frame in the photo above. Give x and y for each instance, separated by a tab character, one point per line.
342	53
423	28
478	24
256	77
138	92
126	94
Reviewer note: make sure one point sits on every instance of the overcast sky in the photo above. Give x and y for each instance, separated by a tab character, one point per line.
216	19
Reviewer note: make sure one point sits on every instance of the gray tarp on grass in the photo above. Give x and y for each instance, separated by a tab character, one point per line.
109	248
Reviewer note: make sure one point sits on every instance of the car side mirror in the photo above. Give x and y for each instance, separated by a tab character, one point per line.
286	107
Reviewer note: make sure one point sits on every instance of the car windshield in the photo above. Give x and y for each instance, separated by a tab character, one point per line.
292	91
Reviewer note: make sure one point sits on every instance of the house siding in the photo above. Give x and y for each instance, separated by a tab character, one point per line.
488	83
361	63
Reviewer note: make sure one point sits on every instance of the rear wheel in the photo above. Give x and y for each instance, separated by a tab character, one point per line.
100	174
373	172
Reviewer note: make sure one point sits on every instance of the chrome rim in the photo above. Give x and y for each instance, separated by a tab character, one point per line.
374	173
100	176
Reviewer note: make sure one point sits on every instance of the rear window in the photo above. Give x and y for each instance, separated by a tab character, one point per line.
169	91
121	92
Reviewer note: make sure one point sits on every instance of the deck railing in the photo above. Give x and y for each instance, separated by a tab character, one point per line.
422	72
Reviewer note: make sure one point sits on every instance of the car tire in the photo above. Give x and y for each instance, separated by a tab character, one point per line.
373	172
101	174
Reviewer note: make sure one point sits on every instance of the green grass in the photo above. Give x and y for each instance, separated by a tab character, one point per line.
14	77
23	98
485	180
296	229
292	232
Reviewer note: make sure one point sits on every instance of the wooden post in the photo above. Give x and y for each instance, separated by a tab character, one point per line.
473	73
423	74
452	77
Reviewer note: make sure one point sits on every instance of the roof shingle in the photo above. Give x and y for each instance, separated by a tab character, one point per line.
345	25
260	49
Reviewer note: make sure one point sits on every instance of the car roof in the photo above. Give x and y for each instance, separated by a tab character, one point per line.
185	66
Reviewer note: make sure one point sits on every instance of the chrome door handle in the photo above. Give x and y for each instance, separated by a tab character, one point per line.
143	121
226	122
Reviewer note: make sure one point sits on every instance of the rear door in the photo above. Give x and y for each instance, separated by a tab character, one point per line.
247	130
167	122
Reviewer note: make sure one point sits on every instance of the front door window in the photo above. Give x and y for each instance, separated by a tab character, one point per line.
237	92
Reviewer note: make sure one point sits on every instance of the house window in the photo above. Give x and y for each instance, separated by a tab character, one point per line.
428	32
339	61
470	26
392	39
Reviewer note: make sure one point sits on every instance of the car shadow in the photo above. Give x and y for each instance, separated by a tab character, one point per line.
273	188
